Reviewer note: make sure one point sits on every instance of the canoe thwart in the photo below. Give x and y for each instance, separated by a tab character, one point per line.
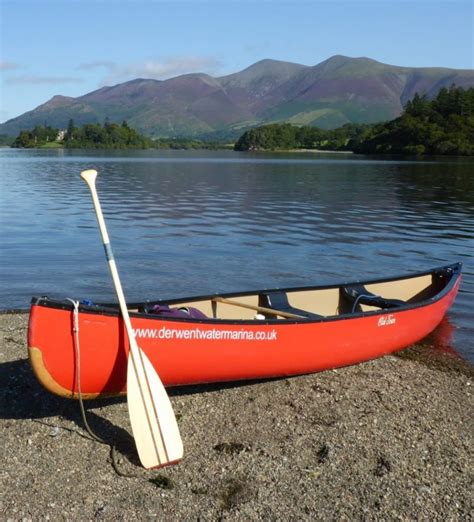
278	300
262	309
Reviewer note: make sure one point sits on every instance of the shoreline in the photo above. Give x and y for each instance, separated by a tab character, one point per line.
273	151
306	151
386	439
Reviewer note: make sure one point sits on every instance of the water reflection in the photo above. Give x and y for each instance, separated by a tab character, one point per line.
442	339
198	222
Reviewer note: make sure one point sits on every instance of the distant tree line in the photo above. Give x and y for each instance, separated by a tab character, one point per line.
286	136
89	136
37	137
106	136
444	125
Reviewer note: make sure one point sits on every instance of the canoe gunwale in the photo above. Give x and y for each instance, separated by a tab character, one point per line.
111	309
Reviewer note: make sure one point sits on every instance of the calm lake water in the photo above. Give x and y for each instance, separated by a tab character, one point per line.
198	222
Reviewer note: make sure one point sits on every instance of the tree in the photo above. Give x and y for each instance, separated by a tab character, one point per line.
71	129
444	125
37	137
419	106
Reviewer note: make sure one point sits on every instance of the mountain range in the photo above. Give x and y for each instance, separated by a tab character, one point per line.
336	91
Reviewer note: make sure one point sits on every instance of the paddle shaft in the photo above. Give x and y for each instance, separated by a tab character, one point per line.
158	440
263	309
110	258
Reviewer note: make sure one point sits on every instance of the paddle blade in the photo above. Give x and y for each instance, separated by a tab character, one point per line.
153	422
89	177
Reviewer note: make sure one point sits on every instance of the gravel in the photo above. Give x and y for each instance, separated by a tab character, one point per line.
389	439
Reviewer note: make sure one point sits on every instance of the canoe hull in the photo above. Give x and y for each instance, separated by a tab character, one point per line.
191	352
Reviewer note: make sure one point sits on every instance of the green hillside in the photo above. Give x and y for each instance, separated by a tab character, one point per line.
336	91
444	125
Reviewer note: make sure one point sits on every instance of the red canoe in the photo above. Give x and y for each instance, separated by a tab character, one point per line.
237	336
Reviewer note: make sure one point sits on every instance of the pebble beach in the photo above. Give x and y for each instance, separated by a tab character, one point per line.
390	439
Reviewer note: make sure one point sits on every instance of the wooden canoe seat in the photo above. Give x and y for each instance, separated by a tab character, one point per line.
355	295
278	300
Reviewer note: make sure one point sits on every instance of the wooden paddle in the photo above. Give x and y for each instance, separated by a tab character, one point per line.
153	422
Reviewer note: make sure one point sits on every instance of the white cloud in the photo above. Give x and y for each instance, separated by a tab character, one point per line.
157	69
9	66
114	73
89	66
44	80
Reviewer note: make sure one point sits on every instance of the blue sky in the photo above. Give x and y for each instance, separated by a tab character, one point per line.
72	47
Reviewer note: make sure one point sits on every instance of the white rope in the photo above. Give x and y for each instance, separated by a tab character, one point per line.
77	346
77	350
